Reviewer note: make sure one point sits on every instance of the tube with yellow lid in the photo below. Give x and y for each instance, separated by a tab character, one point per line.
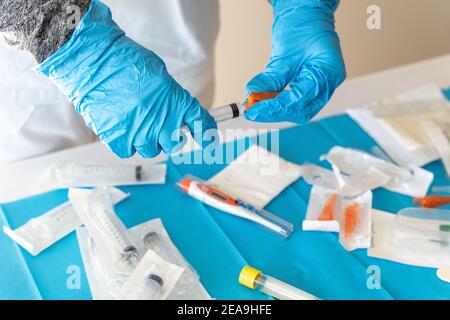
256	280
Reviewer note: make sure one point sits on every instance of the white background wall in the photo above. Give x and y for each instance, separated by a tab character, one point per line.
412	30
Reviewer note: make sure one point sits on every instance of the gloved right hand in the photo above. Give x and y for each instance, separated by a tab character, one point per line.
122	90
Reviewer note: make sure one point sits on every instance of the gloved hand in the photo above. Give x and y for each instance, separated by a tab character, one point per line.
306	56
122	90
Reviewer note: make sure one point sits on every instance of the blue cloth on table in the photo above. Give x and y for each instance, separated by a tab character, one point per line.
219	245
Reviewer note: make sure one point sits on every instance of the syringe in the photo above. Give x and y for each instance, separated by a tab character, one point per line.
236	109
153	241
92	175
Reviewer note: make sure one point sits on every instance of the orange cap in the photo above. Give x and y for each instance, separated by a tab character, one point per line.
256	97
185	184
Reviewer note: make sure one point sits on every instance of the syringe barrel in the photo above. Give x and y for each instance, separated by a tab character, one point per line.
228	112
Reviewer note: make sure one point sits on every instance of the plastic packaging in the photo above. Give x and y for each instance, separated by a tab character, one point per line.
153	279
423	235
105	282
322	211
110	235
189	279
345	185
256	280
329	211
214	197
85	175
40	233
395	124
412	181
355	221
439	134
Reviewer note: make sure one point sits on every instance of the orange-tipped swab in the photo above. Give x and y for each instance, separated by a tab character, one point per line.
352	214
256	97
432	201
328	211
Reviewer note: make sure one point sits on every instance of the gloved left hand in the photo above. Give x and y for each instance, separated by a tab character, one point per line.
123	91
306	56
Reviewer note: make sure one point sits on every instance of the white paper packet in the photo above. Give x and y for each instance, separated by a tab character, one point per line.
257	176
395	124
40	233
412	181
97	175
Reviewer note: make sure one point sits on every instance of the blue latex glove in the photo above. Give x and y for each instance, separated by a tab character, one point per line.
306	56
122	90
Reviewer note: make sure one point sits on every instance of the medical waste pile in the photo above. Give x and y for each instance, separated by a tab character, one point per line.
142	263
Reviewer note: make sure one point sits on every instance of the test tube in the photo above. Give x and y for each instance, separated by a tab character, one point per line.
256	280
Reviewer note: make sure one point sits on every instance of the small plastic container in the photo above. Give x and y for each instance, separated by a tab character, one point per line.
423	234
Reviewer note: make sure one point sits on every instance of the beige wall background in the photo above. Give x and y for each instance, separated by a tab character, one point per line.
412	30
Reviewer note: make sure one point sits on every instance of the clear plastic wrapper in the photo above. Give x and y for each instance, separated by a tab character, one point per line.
344	185
40	233
423	235
87	175
329	211
105	282
212	196
153	279
355	221
412	181
110	235
322	211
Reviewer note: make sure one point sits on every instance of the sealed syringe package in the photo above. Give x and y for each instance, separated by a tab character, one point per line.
105	284
41	232
75	175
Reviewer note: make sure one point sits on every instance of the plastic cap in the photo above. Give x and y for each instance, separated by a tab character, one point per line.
248	277
185	184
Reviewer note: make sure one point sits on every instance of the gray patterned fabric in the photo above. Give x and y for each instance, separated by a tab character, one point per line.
40	26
